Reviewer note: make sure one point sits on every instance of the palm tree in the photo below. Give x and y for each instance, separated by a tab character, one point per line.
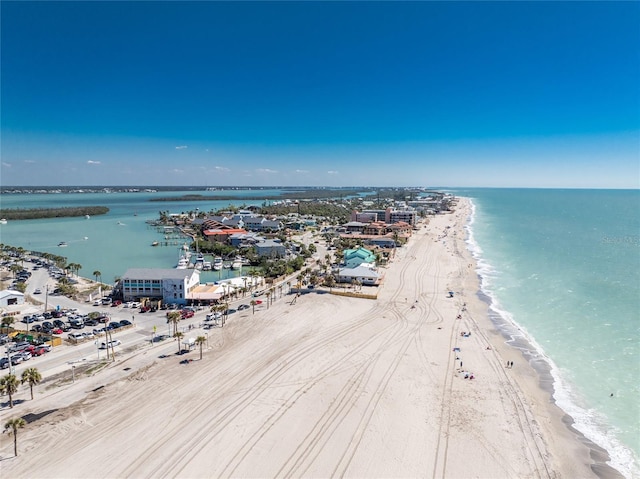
200	340
9	385
179	335
174	318
268	295
12	425
7	321
97	274
253	305
330	281
31	376
15	268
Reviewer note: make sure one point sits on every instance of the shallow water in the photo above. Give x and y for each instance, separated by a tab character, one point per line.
564	267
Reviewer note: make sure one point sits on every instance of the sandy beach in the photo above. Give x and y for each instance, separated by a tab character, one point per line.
328	386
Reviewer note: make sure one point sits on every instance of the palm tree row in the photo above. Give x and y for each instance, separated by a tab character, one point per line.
9	383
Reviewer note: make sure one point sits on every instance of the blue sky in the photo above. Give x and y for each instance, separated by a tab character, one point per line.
541	94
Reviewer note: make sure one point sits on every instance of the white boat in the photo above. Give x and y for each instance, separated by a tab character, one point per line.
206	266
3	221
87	217
217	263
237	263
155	243
183	262
62	244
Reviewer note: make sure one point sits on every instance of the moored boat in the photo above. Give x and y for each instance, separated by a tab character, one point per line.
62	244
155	243
217	263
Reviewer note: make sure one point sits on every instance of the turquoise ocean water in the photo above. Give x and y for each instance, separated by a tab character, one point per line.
560	267
562	271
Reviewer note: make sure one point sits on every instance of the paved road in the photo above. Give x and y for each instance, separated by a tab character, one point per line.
145	325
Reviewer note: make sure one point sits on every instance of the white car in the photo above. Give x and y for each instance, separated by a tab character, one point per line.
108	344
37	291
97	303
76	336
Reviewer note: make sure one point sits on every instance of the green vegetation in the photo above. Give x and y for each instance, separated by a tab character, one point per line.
313	194
12	426
40	213
31	376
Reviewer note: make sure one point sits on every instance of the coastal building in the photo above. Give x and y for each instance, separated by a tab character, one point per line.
222	235
364	217
169	285
356	257
10	297
365	275
271	249
406	215
260	223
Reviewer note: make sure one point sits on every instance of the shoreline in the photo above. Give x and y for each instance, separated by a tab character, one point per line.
514	338
304	386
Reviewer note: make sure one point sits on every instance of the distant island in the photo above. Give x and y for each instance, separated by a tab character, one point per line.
13	214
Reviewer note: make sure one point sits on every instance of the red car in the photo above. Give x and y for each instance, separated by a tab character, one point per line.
57	331
115	303
186	314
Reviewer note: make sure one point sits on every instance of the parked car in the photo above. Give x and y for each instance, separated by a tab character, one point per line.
25	355
16	359
243	307
37	291
108	344
4	363
47	325
113	325
57	331
39	351
115	303
125	322
186	313
20	346
76	336
88	335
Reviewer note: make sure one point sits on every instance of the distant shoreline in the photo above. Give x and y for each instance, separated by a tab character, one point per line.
13	214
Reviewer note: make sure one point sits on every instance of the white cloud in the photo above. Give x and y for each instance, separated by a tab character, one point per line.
8	165
332	172
176	170
302	171
182	147
221	168
29	161
92	162
266	170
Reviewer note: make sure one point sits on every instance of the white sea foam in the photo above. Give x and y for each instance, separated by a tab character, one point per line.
593	425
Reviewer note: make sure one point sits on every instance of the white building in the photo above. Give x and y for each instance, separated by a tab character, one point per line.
169	285
10	297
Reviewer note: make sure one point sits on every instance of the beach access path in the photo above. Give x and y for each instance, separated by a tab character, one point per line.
325	386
